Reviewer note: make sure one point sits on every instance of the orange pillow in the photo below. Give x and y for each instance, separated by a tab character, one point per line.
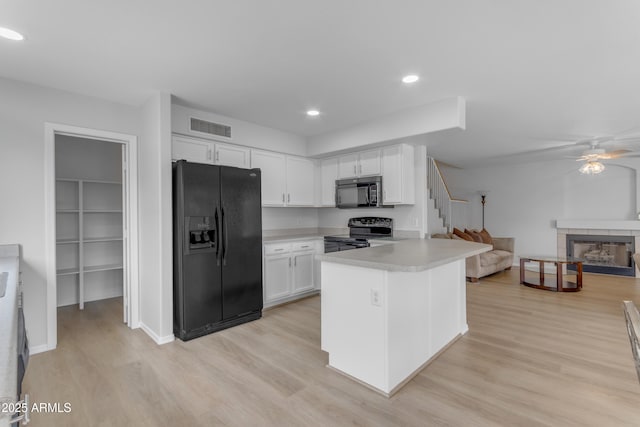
474	235
462	235
486	237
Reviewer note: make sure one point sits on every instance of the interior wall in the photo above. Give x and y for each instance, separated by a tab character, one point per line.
242	132
156	265
81	158
284	218
23	112
525	200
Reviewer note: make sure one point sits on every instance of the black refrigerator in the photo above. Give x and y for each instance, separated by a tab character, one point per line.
217	248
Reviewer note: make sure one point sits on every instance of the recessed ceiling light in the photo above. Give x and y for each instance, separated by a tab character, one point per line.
10	34
411	78
313	113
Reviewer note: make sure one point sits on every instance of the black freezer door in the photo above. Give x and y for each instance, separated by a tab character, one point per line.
197	266
241	209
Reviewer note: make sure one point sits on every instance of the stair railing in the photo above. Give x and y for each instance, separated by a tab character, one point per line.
439	192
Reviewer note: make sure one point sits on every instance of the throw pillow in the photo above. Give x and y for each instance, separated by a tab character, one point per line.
486	237
462	235
474	235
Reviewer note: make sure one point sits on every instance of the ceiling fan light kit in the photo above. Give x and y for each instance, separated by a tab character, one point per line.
591	168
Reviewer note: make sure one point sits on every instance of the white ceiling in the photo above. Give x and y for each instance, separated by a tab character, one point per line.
535	73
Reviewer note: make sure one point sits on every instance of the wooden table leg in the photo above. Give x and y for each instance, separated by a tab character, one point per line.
579	275
541	273
522	261
559	287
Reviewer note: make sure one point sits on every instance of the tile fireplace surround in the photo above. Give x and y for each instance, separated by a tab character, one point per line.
596	228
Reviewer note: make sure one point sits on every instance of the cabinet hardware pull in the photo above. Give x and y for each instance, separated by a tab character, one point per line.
209	154
278	250
295	261
305	246
354	170
360	167
289	262
217	156
288	197
282	197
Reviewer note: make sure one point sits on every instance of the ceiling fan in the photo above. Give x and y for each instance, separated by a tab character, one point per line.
595	153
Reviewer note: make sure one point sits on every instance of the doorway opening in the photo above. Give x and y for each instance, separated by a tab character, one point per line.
91	179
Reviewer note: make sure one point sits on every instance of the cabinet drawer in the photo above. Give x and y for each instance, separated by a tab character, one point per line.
304	246
277	248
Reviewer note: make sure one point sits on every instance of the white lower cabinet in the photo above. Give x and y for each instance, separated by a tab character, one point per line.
277	277
289	270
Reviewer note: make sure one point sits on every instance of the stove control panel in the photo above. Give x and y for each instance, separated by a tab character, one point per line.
371	221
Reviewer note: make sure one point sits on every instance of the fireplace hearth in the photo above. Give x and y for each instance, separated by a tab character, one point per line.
603	254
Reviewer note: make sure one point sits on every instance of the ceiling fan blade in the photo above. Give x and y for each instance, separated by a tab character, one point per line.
628	154
614	154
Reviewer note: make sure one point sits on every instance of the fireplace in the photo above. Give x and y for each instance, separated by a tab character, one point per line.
603	254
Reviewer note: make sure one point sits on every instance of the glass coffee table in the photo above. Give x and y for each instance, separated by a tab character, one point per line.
557	285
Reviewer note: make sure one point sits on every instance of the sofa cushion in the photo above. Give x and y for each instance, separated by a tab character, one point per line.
486	237
462	234
502	254
474	235
489	258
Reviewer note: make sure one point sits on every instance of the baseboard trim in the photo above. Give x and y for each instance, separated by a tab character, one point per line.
155	337
39	349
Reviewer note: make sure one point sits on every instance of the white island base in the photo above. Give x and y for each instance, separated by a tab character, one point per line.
382	327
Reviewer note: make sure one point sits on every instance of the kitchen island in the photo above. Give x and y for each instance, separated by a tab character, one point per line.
387	311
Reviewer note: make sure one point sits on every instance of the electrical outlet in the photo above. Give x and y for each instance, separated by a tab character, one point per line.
375	297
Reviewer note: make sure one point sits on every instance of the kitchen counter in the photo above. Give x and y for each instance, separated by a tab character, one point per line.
388	311
407	254
9	327
270	236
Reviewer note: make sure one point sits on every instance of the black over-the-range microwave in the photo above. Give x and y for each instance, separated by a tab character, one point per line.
359	193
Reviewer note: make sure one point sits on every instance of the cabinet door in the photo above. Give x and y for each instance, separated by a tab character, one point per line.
277	272
231	155
302	272
300	181
348	166
369	163
190	149
392	175
274	175
329	174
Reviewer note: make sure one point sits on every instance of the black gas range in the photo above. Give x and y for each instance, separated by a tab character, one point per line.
360	231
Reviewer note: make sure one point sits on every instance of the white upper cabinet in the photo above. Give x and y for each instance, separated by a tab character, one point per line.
348	166
364	163
398	176
300	181
191	150
231	155
209	152
274	177
286	180
369	163
328	176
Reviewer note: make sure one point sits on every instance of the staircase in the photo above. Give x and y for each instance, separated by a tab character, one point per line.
444	211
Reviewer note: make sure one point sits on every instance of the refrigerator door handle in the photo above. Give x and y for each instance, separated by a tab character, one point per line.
225	239
218	235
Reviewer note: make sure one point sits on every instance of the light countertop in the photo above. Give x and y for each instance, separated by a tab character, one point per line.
9	330
408	255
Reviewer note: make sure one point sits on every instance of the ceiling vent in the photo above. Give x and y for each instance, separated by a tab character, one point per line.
210	128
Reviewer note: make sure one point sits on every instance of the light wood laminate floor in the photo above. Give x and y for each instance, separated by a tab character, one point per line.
530	358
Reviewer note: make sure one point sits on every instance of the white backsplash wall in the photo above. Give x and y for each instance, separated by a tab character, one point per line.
404	217
284	218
